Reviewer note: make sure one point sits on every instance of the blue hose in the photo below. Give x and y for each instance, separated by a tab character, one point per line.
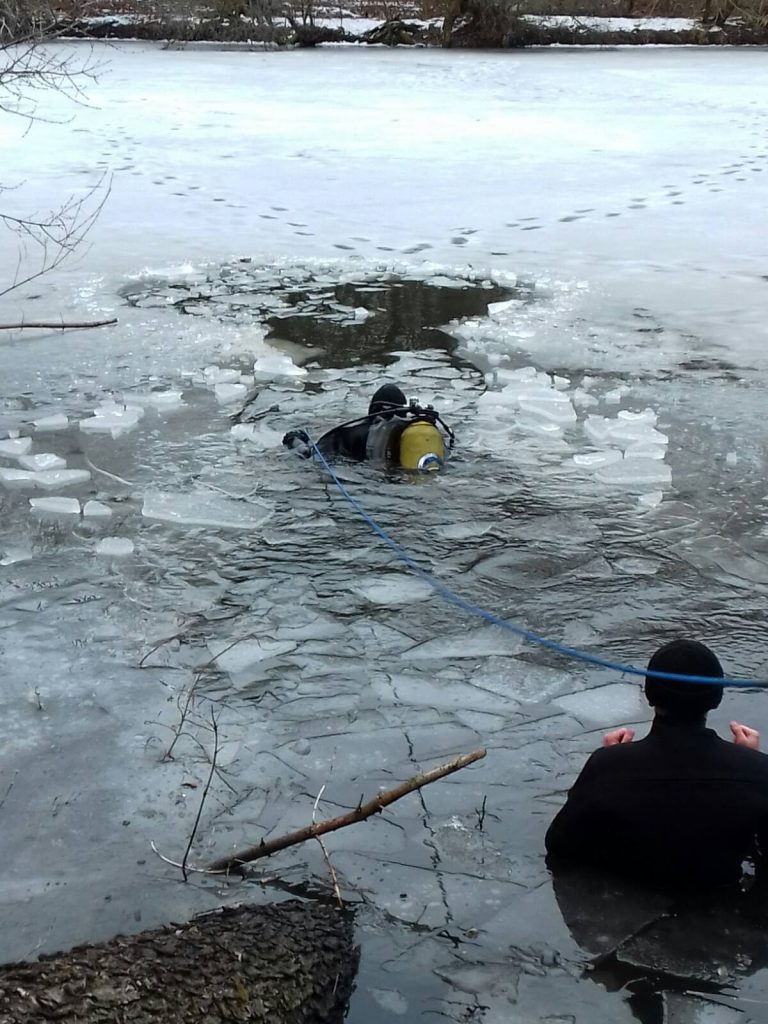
448	595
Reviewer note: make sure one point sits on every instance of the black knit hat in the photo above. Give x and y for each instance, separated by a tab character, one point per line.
684	658
388	396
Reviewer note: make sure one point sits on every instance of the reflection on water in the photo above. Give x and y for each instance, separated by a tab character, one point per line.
330	666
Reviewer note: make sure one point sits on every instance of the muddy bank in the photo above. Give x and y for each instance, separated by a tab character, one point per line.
285	963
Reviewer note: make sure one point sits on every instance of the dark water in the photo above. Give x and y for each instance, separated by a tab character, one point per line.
347	674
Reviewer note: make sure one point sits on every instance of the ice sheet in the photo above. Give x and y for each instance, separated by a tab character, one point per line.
200	508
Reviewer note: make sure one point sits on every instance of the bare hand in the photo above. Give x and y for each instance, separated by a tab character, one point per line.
624	735
743	736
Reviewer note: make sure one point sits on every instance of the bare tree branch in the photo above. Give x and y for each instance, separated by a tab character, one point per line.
360	813
57	326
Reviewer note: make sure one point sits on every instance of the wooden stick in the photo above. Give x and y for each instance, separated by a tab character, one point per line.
360	813
57	326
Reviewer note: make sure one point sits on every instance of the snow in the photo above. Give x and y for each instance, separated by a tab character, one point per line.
613	24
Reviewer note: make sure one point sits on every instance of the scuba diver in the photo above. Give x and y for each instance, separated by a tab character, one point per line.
394	431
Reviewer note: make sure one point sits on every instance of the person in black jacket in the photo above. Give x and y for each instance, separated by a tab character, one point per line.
680	807
393	431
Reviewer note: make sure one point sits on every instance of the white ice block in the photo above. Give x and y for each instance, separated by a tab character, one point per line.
96	510
13	447
12	478
51	424
204	509
45	460
56	506
49	479
115	547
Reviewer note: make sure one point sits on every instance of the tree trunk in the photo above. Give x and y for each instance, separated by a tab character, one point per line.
284	963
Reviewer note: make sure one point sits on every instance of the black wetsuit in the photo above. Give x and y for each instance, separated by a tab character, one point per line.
350	442
680	807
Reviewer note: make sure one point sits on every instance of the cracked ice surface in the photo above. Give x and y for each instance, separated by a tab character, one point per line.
328	665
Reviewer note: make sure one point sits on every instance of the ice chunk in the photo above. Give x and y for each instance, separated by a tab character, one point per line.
50	424
650	451
160	400
651	500
49	479
228	393
112	418
244	655
11	555
495	308
16	478
257	434
646	416
549	405
467	531
45	460
200	508
56	506
219	375
636	471
394	590
272	366
593	460
115	547
96	510
612	704
13	447
615	396
476	643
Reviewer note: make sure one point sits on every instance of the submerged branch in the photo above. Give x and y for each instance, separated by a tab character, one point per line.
360	813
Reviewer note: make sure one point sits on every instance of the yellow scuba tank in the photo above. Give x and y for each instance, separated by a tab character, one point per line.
421	446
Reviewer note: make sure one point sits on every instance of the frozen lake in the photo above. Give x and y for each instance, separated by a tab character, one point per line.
601	216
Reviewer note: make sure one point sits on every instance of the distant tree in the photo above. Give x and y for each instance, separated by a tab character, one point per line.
752	14
29	69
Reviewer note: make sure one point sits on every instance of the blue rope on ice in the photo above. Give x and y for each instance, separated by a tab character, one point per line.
448	595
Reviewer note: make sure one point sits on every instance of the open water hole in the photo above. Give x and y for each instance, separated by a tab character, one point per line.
327	664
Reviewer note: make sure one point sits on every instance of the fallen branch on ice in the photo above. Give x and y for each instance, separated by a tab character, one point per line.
55	325
360	813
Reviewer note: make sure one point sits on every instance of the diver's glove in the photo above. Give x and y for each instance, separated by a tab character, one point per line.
298	441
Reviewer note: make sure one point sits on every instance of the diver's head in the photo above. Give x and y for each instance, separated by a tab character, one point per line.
421	447
684	700
388	397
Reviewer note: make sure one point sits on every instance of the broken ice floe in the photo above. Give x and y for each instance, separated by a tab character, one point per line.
227	393
96	510
47	479
257	434
51	424
200	508
13	447
112	418
115	547
56	506
613	704
271	367
45	460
